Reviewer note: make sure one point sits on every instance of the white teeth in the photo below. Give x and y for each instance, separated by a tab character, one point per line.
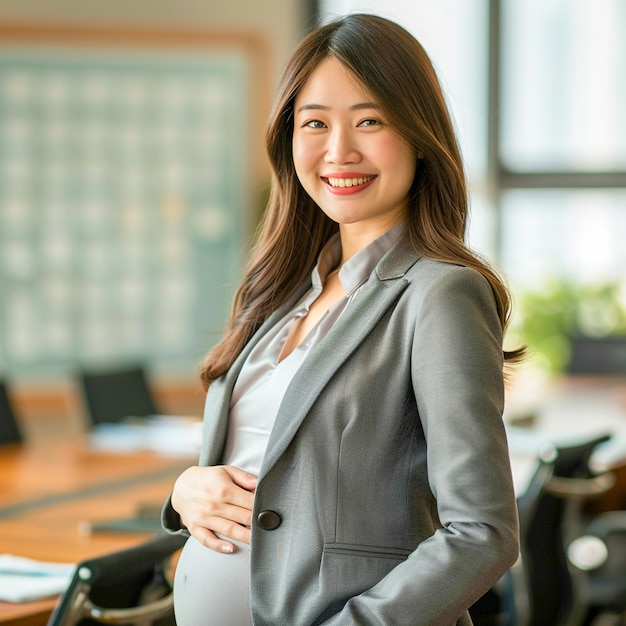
349	182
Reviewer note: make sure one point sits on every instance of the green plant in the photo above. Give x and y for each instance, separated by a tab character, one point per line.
549	317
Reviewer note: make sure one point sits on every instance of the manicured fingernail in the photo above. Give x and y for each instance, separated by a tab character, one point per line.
227	548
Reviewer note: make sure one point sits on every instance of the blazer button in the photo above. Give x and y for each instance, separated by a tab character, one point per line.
269	520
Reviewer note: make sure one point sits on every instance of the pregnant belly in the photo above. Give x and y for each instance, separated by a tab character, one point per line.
211	587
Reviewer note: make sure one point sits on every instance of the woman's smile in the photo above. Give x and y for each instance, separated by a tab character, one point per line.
349	183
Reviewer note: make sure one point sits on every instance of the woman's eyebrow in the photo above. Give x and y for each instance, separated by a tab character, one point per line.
322	107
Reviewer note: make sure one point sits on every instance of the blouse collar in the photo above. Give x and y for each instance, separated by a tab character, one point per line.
357	269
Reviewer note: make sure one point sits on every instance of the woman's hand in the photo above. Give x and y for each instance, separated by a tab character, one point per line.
216	499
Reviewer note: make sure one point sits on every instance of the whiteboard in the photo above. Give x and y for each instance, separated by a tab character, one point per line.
123	185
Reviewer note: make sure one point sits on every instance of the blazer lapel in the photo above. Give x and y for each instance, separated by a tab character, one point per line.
375	297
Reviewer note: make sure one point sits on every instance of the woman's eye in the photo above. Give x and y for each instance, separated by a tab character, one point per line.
315	124
369	122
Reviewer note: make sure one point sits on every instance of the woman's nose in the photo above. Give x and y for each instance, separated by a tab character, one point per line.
341	148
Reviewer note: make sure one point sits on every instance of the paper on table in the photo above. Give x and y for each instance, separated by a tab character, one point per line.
169	435
23	580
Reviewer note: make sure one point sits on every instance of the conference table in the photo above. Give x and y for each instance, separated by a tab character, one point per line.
53	495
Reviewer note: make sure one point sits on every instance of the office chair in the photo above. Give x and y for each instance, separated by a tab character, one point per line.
131	586
541	589
10	431
601	554
114	394
555	589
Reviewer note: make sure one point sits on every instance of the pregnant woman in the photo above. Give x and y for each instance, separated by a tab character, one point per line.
354	466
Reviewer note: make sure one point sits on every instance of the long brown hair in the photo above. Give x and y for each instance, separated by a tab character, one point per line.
392	66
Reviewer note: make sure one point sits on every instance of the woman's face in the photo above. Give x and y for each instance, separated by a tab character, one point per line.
346	156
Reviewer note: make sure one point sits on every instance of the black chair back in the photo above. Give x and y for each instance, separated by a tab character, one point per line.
114	394
131	586
553	593
10	431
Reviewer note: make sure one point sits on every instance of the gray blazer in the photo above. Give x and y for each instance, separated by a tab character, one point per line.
385	496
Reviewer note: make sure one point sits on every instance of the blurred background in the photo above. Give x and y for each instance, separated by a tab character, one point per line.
132	173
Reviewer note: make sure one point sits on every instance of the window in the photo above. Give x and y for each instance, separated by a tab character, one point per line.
563	78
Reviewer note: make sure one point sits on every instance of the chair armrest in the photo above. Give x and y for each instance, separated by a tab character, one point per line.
593	486
153	610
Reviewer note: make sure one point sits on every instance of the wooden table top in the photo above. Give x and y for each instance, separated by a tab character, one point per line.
48	492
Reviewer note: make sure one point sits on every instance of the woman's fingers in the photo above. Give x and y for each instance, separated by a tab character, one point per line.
215	501
244	479
219	542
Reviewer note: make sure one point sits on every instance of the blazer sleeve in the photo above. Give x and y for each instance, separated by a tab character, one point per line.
457	378
170	520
